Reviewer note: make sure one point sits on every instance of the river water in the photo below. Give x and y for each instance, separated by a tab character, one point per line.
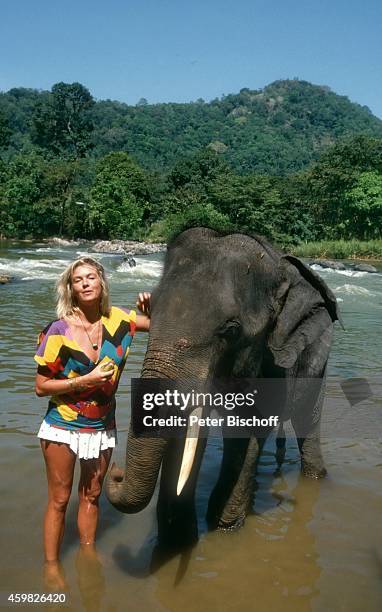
306	546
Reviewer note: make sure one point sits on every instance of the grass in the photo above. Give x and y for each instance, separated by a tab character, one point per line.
340	249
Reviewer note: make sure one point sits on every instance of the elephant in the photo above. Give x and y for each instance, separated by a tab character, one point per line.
228	304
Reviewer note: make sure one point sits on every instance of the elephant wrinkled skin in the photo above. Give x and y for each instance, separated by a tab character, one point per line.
228	305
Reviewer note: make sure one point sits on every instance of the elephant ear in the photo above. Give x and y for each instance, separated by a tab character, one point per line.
304	305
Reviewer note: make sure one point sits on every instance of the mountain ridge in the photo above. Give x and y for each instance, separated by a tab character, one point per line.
277	130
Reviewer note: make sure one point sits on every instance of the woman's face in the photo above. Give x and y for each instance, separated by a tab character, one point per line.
86	285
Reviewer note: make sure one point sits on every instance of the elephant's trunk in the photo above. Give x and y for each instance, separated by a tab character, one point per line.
131	490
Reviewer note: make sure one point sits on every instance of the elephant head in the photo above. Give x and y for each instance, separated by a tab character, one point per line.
226	305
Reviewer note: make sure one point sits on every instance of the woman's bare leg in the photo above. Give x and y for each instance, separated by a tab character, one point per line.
93	472
59	461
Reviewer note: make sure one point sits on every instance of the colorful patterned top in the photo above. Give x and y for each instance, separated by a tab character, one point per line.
59	356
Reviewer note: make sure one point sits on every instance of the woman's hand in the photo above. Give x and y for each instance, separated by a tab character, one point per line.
144	303
98	376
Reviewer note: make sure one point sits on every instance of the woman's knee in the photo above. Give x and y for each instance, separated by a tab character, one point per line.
59	499
90	493
93	473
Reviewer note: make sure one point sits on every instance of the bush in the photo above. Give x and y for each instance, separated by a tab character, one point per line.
340	249
194	216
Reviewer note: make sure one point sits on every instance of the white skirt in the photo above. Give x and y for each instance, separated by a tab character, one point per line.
85	445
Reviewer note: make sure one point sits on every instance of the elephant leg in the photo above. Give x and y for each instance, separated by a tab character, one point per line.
233	493
312	463
176	514
306	424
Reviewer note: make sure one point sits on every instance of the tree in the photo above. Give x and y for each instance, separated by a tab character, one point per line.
119	197
363	209
5	131
62	124
251	202
39	197
296	214
21	214
60	178
196	214
335	175
197	170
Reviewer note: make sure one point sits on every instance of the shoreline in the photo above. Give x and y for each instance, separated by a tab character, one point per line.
340	250
362	250
327	256
109	247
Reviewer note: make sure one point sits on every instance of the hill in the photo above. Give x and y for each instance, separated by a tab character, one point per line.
277	130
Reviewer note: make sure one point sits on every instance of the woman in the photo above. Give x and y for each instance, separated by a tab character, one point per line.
80	359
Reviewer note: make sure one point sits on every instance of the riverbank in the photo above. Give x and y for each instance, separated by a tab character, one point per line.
340	249
324	249
111	247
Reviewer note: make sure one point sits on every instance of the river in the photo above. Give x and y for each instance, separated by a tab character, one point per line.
306	545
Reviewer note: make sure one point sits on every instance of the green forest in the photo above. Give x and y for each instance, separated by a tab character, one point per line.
294	162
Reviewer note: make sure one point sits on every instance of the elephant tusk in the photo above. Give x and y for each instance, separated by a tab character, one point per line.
189	450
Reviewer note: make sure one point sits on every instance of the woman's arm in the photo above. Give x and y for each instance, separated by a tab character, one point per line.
45	385
143	304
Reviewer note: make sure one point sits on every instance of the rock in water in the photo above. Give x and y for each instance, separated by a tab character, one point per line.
362	267
338	265
4	279
63	242
114	247
329	263
130	260
127	247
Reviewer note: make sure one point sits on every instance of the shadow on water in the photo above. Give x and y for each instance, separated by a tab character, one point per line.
156	553
271	563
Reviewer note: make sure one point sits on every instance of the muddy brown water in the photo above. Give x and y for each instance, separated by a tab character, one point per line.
305	546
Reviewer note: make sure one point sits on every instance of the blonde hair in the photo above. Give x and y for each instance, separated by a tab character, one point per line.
66	303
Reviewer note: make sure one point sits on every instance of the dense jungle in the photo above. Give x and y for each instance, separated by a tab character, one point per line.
294	162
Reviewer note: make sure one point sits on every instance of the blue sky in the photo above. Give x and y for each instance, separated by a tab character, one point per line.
171	50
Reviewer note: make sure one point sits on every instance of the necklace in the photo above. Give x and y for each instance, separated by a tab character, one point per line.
95	345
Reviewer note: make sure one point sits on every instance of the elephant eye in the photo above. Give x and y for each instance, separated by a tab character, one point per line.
230	330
